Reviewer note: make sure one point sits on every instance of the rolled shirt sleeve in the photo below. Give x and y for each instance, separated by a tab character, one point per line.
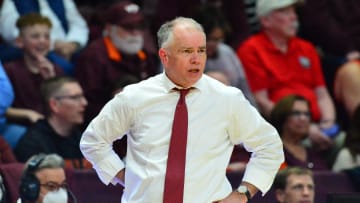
261	139
96	142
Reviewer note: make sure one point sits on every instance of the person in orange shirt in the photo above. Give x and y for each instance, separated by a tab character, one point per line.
124	50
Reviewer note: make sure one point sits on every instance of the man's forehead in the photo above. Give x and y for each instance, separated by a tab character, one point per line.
303	178
51	174
190	41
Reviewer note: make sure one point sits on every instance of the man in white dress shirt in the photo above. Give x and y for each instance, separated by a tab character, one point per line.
219	117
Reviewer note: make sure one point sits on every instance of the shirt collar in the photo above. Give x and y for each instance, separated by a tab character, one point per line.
270	46
170	86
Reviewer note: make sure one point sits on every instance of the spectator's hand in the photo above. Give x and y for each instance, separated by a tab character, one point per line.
234	197
33	116
46	68
353	55
318	138
66	49
325	124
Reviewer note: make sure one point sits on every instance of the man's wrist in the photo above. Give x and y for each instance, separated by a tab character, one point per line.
243	190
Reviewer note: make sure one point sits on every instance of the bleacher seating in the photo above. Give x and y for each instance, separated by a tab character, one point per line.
87	187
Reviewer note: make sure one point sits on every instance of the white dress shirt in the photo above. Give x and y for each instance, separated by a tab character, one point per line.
78	30
219	117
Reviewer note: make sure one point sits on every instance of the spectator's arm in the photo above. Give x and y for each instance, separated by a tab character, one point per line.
327	108
264	103
8	18
347	86
23	114
6	92
78	29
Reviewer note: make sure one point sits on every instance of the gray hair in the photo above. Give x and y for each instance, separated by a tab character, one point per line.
45	161
165	34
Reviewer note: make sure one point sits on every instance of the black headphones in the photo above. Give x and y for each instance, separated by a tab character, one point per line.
30	184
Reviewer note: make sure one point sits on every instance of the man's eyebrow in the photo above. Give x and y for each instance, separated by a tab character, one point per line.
185	47
200	47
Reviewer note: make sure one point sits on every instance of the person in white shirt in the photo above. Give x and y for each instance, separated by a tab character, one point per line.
219	117
65	40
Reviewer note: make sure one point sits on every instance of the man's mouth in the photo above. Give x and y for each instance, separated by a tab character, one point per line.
194	70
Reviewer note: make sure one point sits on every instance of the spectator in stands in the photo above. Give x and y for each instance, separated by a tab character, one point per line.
333	26
119	52
10	132
27	73
69	30
349	155
294	185
292	118
44	180
347	86
59	133
277	64
220	56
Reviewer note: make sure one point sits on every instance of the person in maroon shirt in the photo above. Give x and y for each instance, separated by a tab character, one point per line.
292	118
120	52
27	73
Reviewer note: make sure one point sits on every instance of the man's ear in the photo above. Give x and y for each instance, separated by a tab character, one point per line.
164	57
280	195
266	21
53	104
19	42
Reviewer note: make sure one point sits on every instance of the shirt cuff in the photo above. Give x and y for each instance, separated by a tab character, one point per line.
260	178
108	168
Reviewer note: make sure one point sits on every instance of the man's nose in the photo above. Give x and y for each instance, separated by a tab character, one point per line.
196	57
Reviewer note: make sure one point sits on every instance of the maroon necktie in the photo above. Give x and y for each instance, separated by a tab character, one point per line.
175	170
